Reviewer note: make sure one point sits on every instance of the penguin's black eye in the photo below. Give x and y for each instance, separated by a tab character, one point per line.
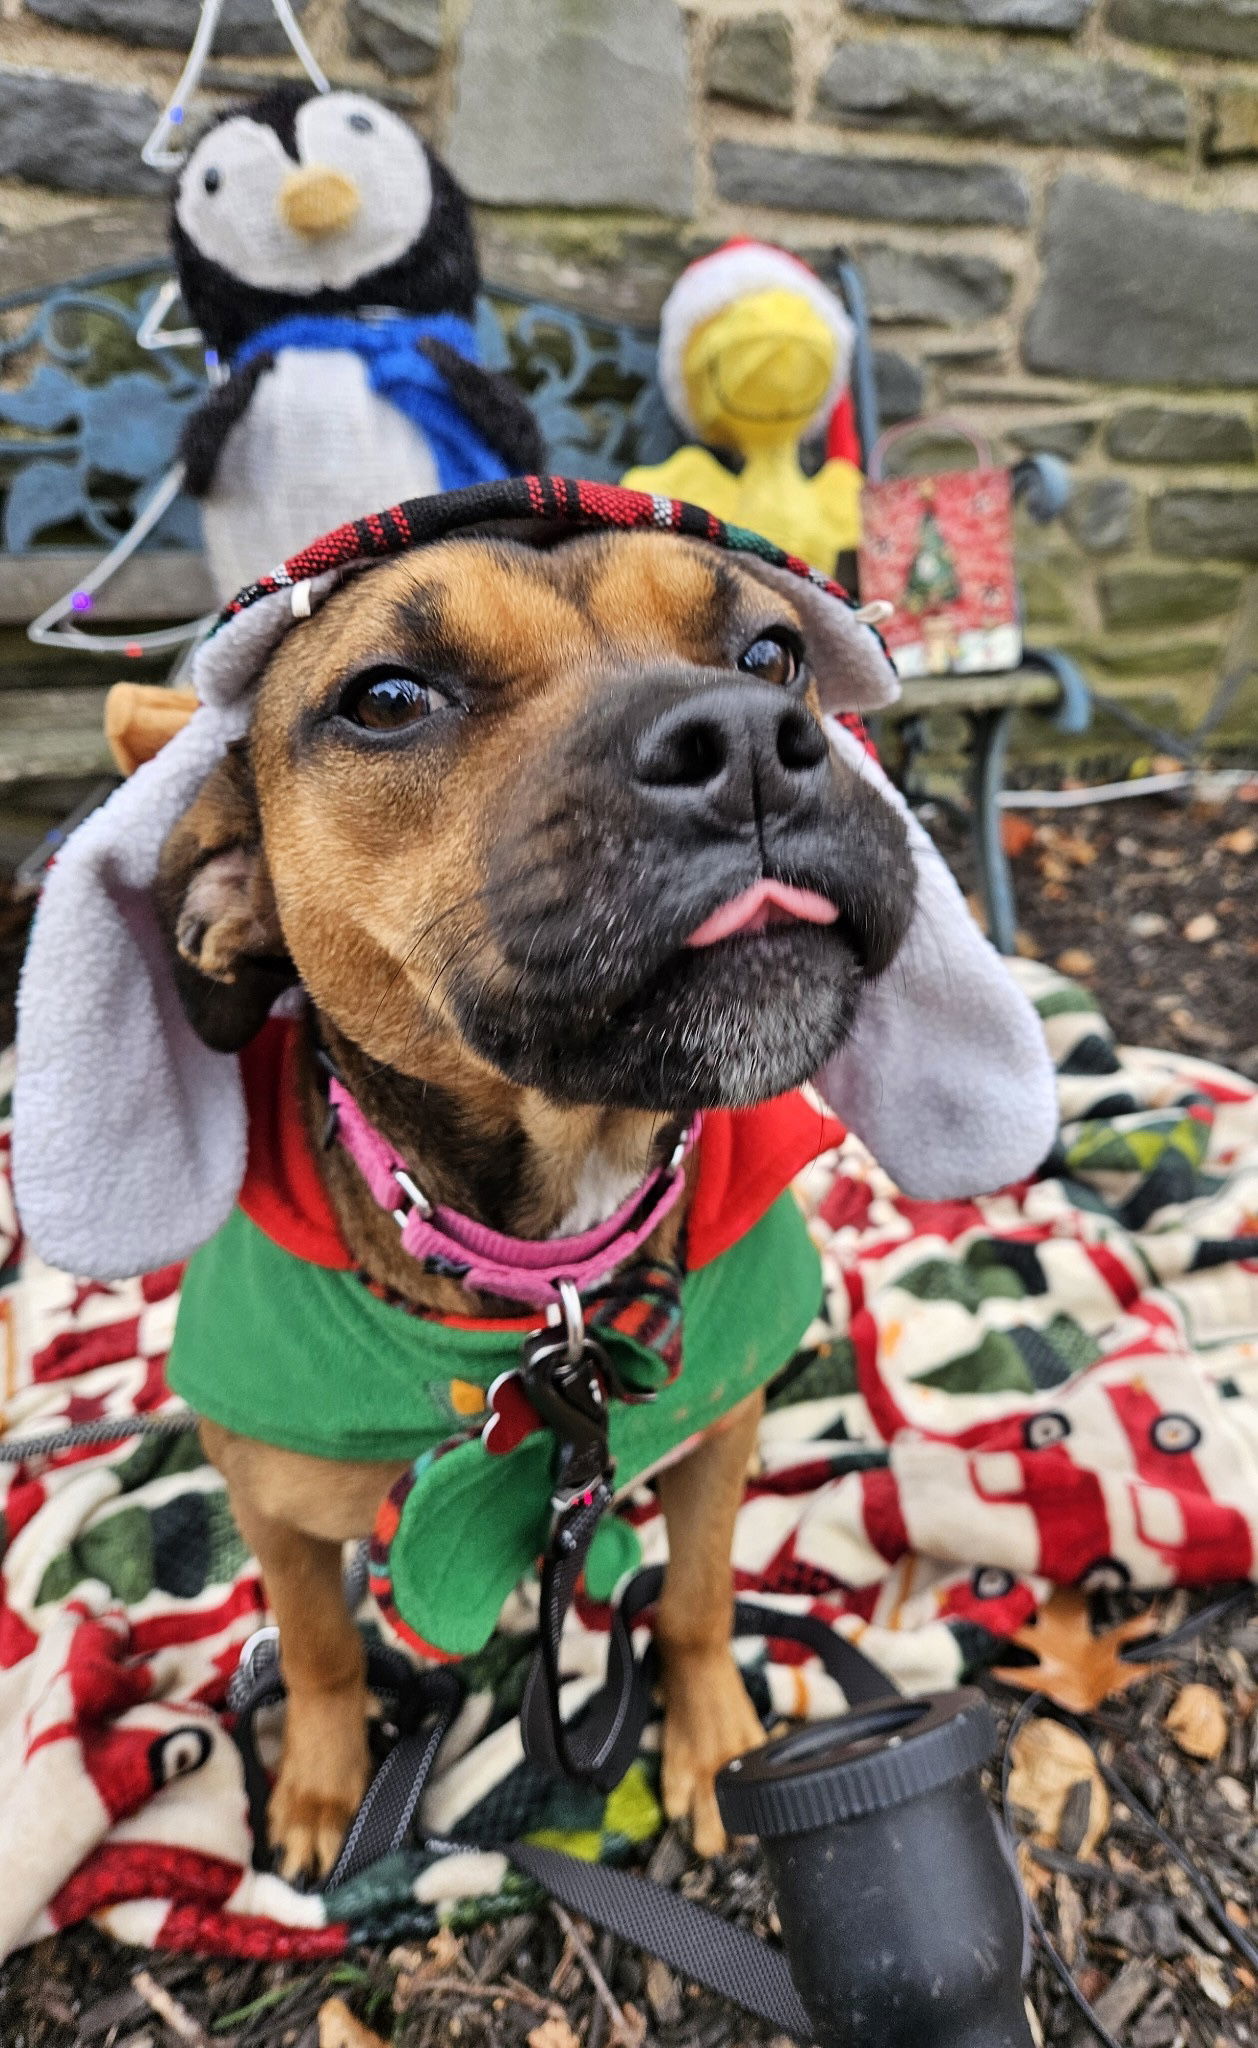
362	124
386	701
212	179
776	657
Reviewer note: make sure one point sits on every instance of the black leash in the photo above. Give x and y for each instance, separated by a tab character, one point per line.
566	1384
417	1709
699	1945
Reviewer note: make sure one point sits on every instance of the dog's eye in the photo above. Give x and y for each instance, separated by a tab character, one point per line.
384	703
775	657
212	179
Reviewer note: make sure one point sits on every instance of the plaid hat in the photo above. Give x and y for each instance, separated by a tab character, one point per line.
846	655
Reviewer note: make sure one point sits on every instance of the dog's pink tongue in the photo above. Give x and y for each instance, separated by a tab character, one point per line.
765	903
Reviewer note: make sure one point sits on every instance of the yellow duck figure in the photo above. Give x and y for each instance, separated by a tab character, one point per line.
754	354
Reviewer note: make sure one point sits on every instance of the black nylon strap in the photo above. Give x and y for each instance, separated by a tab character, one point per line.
385	1818
599	1748
697	1944
861	1679
427	1702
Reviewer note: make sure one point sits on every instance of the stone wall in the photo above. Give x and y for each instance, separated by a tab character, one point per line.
1053	203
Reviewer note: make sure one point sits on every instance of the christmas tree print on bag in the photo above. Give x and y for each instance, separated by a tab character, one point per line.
939	550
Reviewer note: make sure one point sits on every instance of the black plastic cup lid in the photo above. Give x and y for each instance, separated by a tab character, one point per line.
863	1763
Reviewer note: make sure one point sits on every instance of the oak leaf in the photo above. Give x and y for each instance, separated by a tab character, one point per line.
1077	1670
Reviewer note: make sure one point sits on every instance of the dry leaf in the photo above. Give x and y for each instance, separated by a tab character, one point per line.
416	1967
1209	1975
1074	847
1016	833
554	2033
339	2029
1049	1761
1194	1032
1075	961
1243	841
1202	927
1198	1722
1077	1669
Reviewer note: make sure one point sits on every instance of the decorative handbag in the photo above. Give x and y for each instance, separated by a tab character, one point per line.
939	550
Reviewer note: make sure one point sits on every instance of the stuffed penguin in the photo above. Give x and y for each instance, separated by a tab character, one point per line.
329	260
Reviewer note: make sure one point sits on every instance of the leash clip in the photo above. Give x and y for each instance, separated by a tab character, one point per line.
564	1382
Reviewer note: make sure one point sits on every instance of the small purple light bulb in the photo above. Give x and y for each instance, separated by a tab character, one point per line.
176	117
81	601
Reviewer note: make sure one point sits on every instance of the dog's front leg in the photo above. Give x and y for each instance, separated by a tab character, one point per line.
708	1717
324	1767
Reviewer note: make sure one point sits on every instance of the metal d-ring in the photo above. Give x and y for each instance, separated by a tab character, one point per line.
573	1318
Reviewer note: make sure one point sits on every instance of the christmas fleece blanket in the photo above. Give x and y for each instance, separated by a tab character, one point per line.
1056	1384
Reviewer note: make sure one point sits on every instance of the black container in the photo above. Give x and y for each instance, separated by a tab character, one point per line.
899	1904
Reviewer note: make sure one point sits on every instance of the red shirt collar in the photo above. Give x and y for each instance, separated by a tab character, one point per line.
747	1158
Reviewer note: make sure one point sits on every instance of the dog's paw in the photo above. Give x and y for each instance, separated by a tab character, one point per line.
708	1718
310	1811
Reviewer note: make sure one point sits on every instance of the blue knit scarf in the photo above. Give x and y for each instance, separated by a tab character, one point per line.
398	370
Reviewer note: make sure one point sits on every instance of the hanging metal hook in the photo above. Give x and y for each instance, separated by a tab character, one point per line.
157	152
573	1318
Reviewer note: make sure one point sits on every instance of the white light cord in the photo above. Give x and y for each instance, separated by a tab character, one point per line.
157	152
150	334
1111	792
50	629
1100	793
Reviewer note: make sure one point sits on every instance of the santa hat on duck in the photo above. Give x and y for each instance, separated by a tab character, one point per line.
734	271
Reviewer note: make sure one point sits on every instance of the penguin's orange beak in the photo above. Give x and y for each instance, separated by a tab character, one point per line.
317	201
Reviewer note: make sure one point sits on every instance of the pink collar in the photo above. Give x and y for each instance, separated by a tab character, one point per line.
487	1261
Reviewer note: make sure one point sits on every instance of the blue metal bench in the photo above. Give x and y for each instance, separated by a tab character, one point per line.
90	422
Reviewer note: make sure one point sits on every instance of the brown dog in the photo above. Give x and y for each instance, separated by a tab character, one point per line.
487	793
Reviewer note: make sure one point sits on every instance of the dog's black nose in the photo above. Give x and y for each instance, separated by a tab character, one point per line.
734	752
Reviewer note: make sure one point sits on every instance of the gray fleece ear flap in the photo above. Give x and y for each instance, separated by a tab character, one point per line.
128	1132
947	1077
